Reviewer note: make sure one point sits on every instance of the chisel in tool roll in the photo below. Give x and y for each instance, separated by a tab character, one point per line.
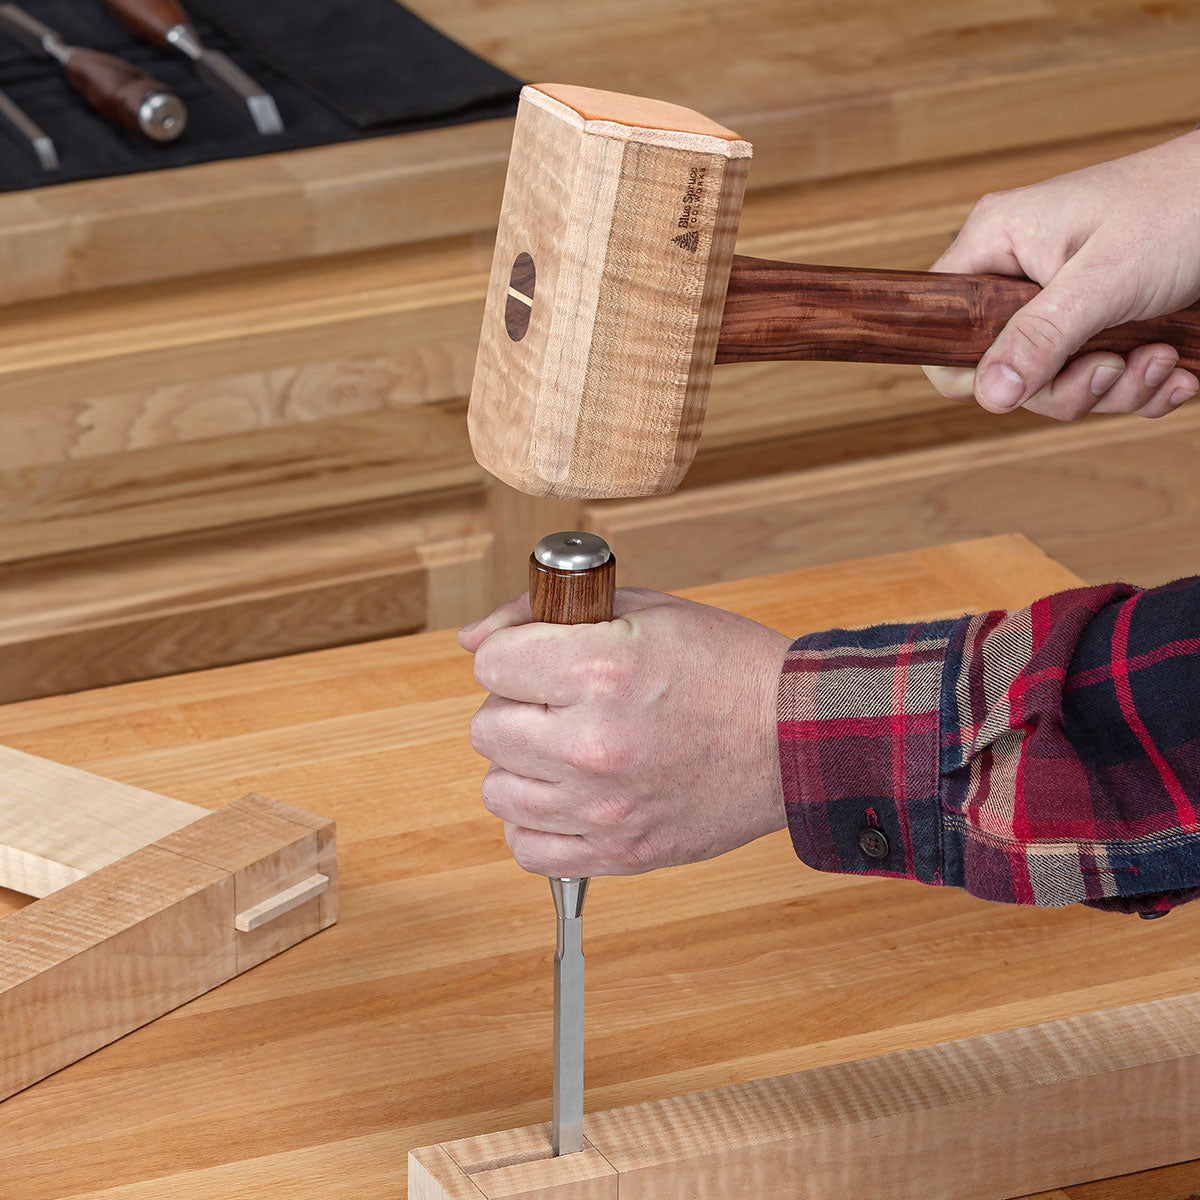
571	582
165	24
29	132
116	89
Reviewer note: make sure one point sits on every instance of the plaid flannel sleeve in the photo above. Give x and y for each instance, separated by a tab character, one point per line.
1047	756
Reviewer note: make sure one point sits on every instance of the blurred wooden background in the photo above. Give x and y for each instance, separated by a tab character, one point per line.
232	397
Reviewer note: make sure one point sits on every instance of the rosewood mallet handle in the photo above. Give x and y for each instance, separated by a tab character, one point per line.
780	310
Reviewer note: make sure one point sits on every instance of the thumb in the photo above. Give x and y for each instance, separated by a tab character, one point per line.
1040	337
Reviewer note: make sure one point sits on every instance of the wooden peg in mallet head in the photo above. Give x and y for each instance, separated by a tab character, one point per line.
615	289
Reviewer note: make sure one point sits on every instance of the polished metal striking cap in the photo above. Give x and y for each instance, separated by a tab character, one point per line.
572	550
162	116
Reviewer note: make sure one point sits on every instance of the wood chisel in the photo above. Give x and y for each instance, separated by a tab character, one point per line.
30	132
165	24
116	89
571	582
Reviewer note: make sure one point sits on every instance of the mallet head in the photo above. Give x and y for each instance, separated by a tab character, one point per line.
604	304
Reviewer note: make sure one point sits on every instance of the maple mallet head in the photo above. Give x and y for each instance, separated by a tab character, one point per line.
614	289
600	327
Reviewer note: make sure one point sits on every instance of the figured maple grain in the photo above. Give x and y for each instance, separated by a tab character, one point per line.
1043	1105
424	1015
145	929
631	229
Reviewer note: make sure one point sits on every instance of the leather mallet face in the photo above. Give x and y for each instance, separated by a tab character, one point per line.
604	304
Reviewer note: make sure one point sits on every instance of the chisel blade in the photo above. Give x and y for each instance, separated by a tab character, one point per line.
567	1119
226	77
38	141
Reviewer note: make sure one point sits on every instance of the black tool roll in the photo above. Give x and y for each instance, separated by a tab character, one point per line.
338	70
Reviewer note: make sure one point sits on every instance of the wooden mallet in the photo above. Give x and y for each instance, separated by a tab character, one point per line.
615	289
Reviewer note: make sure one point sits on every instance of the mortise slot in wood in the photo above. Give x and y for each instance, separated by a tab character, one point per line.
285	901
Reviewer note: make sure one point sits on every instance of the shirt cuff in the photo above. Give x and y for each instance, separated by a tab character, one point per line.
859	723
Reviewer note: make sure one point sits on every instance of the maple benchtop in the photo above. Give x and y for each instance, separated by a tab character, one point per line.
424	1015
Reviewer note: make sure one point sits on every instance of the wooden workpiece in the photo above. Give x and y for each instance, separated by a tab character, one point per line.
148	902
983	1118
423	1016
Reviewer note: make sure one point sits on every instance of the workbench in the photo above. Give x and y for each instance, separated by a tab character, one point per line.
424	1015
232	395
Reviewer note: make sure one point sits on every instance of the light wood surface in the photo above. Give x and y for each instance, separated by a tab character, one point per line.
232	396
424	1015
239	465
165	902
58	824
631	232
1056	1103
1111	497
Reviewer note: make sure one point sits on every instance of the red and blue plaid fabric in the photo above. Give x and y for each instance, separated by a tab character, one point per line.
1047	756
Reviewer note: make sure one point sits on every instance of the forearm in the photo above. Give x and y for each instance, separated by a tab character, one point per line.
1047	756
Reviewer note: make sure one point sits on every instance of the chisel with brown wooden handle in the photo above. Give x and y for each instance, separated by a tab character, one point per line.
572	577
116	89
615	290
166	24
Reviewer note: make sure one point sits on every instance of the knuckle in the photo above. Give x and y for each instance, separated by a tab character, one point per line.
595	754
986	205
604	675
612	811
644	853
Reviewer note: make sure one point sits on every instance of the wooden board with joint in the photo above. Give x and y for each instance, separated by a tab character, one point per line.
144	903
982	1118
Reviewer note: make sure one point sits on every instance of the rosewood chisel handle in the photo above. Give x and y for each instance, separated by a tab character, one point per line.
571	582
780	310
167	24
116	89
123	93
150	19
572	579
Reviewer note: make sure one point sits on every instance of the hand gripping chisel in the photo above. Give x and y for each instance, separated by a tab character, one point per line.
165	24
116	89
571	581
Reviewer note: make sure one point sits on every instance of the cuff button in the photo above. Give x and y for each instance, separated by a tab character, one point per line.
873	842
